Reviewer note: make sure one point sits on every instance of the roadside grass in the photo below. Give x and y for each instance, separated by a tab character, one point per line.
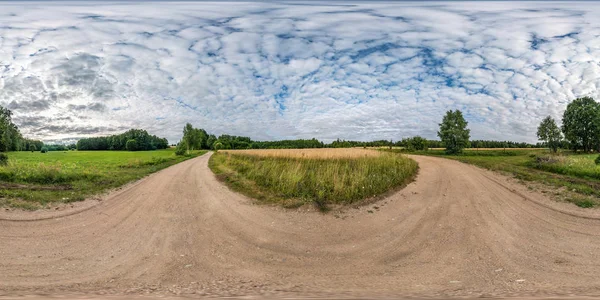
292	181
32	180
573	177
580	165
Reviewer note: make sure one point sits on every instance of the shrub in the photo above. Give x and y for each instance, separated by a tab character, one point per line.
597	160
44	149
549	159
416	143
217	146
181	149
3	159
131	145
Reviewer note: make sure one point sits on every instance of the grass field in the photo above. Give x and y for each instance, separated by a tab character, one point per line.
325	177
573	177
32	179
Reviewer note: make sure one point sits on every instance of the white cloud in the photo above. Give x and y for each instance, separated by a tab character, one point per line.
276	70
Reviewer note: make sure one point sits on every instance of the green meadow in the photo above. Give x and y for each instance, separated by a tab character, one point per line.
32	180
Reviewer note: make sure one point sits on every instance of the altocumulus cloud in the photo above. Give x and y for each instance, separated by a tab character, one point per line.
291	70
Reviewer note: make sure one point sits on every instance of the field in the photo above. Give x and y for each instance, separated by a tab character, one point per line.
32	179
571	177
324	177
324	153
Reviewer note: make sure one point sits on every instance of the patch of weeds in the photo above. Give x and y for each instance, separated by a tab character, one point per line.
585	203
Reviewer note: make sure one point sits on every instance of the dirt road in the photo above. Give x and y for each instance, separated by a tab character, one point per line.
457	230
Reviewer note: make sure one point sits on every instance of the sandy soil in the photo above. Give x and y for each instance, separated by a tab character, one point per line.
456	231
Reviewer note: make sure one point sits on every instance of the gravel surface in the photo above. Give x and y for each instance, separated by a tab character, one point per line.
457	231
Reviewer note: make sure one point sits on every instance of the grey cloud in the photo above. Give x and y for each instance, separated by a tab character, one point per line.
99	107
36	105
77	71
35	122
79	130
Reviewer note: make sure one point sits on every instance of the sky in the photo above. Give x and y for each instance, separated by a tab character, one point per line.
287	70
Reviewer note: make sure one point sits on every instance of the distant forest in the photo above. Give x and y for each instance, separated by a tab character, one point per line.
131	140
196	138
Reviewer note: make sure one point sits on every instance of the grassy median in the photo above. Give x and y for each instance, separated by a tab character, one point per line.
297	177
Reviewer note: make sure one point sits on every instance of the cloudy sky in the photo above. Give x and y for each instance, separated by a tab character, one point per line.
282	70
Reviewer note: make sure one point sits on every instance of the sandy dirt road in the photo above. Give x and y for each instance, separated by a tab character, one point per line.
456	231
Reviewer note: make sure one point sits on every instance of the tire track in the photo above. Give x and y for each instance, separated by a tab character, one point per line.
456	231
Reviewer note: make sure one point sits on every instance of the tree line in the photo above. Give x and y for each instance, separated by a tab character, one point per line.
580	128
131	140
197	139
10	136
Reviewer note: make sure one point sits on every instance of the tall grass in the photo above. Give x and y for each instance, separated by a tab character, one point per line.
578	165
291	181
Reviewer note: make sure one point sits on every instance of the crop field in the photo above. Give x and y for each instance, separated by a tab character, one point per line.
324	153
324	177
32	179
470	150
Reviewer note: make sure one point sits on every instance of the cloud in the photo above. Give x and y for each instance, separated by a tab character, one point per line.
273	70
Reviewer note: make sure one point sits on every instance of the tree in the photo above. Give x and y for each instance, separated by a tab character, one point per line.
188	136
210	141
549	133
453	132
581	124
10	137
131	145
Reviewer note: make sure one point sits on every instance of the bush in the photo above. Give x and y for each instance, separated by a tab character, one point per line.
131	145
181	149
597	160
3	159
44	149
416	143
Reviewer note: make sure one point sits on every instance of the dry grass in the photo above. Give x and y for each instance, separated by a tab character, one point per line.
325	153
494	149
